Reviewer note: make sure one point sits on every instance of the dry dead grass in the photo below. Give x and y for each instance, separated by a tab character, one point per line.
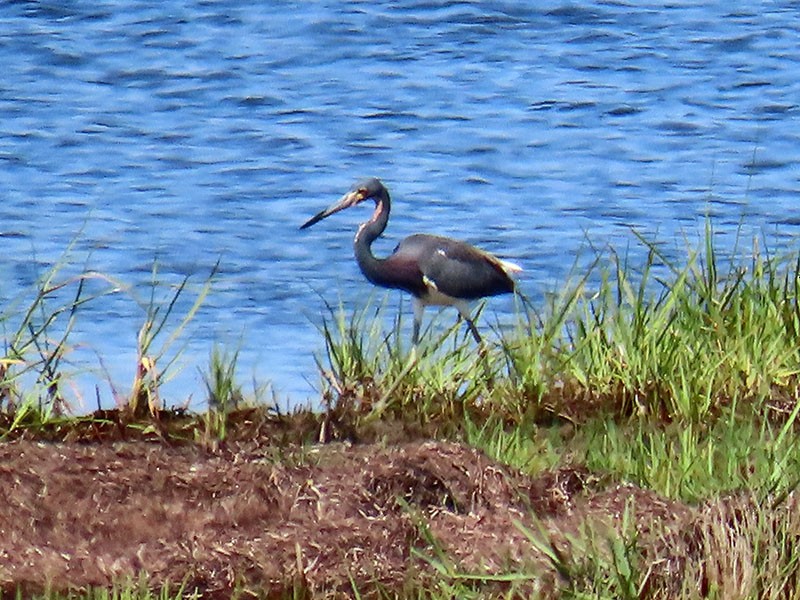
250	518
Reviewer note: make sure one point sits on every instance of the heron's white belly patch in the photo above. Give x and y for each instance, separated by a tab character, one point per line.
434	297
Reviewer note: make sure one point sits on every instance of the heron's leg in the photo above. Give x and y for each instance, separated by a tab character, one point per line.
419	309
474	330
463	310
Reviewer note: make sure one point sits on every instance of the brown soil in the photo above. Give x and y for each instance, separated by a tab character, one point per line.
255	518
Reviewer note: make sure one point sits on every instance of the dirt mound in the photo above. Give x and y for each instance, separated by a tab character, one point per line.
258	518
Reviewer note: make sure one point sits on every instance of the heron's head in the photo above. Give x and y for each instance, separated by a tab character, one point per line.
363	190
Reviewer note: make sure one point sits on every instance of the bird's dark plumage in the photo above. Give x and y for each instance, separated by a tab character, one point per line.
434	269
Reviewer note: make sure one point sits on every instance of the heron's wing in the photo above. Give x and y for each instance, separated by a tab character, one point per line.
458	269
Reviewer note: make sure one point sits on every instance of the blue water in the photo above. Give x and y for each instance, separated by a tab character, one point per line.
183	134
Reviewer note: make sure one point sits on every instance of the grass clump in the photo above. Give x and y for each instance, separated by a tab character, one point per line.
224	393
36	346
732	548
370	376
144	396
682	344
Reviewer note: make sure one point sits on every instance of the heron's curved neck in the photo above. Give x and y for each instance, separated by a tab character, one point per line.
367	233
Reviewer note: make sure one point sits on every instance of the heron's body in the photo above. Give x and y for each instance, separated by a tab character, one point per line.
435	270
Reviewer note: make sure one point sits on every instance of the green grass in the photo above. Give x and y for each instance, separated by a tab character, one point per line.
687	463
372	375
671	342
159	313
744	543
132	590
35	364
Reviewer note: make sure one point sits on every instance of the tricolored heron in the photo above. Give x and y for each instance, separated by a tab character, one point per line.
435	270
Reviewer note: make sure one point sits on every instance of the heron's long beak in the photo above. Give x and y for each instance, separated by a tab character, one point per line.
346	201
